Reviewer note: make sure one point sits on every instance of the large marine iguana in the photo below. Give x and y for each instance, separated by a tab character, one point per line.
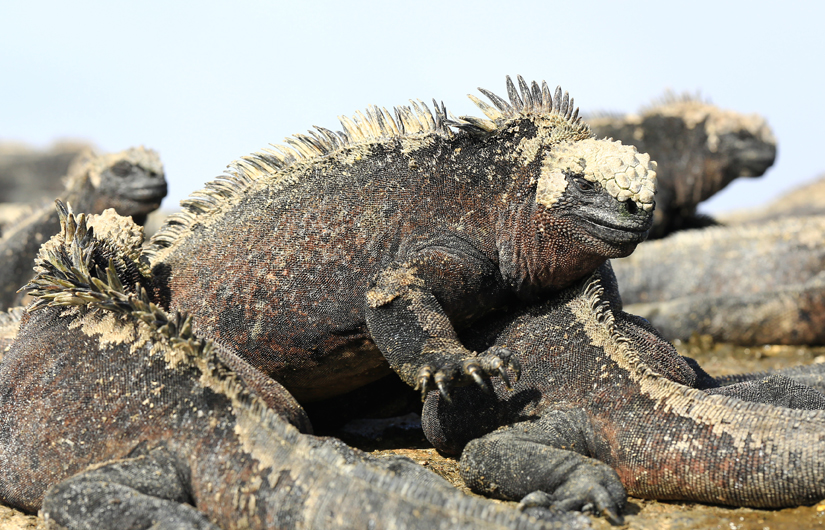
607	404
329	262
131	181
700	149
113	414
751	284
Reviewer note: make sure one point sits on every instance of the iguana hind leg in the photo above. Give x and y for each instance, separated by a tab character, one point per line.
543	464
143	493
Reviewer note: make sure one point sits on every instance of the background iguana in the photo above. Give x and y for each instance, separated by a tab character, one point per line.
114	415
329	262
751	284
699	148
604	398
132	182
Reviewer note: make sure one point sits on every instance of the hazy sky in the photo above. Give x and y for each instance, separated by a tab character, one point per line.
206	82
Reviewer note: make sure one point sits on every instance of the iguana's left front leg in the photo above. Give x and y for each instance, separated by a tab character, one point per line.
411	310
543	464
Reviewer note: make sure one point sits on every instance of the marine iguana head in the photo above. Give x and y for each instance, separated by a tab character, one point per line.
605	188
589	199
132	182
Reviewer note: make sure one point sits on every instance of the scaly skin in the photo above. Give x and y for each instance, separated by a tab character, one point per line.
149	426
132	182
752	284
365	251
700	149
604	398
9	326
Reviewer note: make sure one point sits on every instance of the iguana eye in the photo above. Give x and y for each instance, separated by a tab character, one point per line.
122	169
583	185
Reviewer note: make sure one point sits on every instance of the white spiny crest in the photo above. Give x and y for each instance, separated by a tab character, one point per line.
527	100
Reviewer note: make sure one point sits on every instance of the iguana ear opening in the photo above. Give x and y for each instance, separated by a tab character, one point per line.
620	169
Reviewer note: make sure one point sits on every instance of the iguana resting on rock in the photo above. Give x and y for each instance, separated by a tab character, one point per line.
329	262
113	415
751	284
605	404
132	182
700	149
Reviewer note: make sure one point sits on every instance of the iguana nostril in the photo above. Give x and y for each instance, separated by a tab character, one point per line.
631	207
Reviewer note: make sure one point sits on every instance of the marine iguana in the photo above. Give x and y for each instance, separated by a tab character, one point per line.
606	405
329	262
132	182
700	149
113	414
750	284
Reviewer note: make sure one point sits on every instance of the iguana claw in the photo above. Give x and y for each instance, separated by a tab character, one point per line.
473	370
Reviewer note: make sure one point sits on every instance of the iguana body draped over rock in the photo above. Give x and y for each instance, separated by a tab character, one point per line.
132	182
699	148
323	262
114	415
752	284
600	387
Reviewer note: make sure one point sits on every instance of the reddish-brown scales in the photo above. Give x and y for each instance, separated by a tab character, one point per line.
602	387
279	258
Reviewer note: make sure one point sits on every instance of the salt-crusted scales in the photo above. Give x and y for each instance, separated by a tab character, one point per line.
624	172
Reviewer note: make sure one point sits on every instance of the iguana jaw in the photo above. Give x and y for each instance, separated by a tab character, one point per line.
619	227
751	158
614	234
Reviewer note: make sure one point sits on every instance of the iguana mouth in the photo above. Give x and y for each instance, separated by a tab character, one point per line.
615	232
148	193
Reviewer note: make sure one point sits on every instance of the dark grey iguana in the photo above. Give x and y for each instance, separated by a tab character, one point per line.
606	404
329	262
132	182
700	149
752	284
114	415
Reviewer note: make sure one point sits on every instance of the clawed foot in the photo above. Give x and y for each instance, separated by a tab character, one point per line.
491	363
581	495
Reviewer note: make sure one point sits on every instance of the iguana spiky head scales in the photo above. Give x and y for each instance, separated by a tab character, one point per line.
608	187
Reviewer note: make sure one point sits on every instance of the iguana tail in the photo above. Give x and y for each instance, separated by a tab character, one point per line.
670	441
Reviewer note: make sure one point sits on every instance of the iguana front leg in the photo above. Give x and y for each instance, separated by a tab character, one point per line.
411	310
145	492
542	463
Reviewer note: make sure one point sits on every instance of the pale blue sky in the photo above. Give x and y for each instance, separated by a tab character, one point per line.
207	82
